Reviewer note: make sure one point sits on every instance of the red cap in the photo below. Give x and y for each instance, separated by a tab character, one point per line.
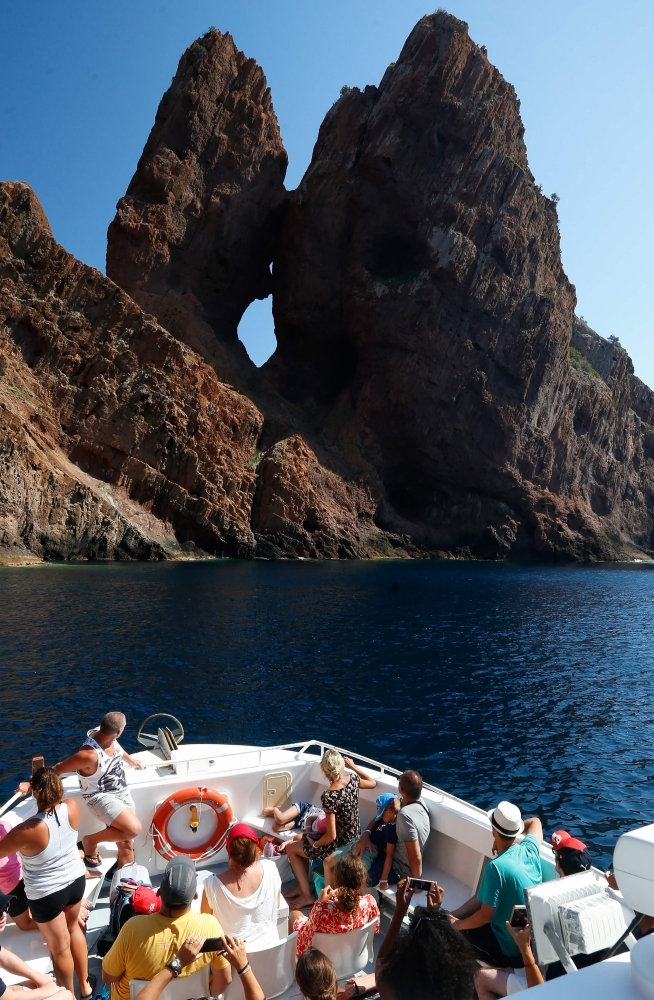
145	900
241	830
561	839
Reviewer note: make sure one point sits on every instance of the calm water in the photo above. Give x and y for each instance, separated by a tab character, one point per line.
496	681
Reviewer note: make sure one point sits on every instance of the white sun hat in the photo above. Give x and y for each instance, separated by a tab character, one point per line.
507	820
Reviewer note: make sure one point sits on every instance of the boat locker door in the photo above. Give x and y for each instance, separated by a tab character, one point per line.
277	790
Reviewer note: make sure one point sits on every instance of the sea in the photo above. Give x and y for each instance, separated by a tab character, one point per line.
496	681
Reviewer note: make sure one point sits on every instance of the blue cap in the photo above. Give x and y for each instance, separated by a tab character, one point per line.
382	801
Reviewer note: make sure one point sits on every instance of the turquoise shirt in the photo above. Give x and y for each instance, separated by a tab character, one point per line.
503	886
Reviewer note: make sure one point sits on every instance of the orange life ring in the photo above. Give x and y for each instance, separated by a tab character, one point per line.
202	796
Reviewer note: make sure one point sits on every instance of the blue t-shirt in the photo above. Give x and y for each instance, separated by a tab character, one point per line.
3	987
383	835
503	885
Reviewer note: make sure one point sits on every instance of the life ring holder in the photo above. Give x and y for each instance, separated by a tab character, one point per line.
159	827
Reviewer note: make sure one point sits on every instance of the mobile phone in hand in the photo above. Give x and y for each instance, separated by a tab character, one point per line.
213	944
420	884
37	762
519	917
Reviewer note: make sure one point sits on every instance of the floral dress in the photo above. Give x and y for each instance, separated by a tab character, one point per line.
344	804
326	918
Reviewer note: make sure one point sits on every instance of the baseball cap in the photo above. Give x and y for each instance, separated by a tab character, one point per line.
507	820
561	839
145	900
241	830
179	882
382	802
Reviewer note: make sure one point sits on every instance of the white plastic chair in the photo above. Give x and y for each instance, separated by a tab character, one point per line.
349	952
195	985
273	967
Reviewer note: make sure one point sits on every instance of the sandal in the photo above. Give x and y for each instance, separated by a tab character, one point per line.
92	981
92	861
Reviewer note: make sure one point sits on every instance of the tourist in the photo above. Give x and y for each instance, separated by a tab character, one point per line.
339	909
54	876
430	961
245	898
412	826
299	816
100	765
235	954
492	983
341	805
316	976
571	855
146	944
379	840
516	867
12	884
40	985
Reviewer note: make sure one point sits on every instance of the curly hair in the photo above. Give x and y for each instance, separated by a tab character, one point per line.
350	877
316	976
432	961
332	764
47	788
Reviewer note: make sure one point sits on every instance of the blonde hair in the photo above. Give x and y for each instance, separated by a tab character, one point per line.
332	764
316	976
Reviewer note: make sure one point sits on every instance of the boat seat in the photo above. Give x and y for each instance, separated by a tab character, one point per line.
350	952
195	985
274	969
456	892
263	824
30	946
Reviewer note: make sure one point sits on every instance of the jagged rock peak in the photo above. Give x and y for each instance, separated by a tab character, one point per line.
194	236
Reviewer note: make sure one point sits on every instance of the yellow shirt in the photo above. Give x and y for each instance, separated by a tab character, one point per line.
148	943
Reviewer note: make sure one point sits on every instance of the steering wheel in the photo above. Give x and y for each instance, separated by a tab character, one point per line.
149	740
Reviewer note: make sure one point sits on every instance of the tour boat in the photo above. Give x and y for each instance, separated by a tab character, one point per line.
188	795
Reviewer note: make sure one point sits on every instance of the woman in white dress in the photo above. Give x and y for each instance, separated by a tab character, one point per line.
245	897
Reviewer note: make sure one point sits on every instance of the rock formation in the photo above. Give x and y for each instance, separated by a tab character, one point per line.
193	238
432	392
118	441
423	315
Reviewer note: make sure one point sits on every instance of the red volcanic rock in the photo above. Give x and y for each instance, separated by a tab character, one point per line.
423	316
116	440
193	238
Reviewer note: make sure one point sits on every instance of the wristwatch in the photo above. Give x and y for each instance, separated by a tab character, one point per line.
175	967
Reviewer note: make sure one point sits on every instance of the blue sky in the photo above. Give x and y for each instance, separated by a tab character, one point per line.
80	83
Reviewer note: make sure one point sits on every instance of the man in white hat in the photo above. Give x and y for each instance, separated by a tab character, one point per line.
515	867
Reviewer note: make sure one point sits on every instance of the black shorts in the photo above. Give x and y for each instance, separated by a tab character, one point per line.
48	907
20	903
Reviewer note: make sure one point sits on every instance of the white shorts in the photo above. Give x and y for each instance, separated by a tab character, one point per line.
517	982
107	806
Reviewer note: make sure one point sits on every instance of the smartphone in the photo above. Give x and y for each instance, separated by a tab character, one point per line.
213	944
420	884
37	762
519	916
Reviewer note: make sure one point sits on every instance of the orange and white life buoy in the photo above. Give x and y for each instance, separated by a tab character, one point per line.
187	815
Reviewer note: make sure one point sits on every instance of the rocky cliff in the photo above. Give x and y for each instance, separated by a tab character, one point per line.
432	392
423	316
118	441
193	238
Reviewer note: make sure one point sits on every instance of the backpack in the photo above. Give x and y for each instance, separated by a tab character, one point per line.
124	884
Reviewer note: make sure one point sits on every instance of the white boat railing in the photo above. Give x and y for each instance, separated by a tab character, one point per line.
300	748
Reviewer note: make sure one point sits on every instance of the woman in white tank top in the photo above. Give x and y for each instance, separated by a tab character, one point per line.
54	876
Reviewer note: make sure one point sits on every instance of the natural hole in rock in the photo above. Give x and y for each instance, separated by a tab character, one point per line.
256	331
